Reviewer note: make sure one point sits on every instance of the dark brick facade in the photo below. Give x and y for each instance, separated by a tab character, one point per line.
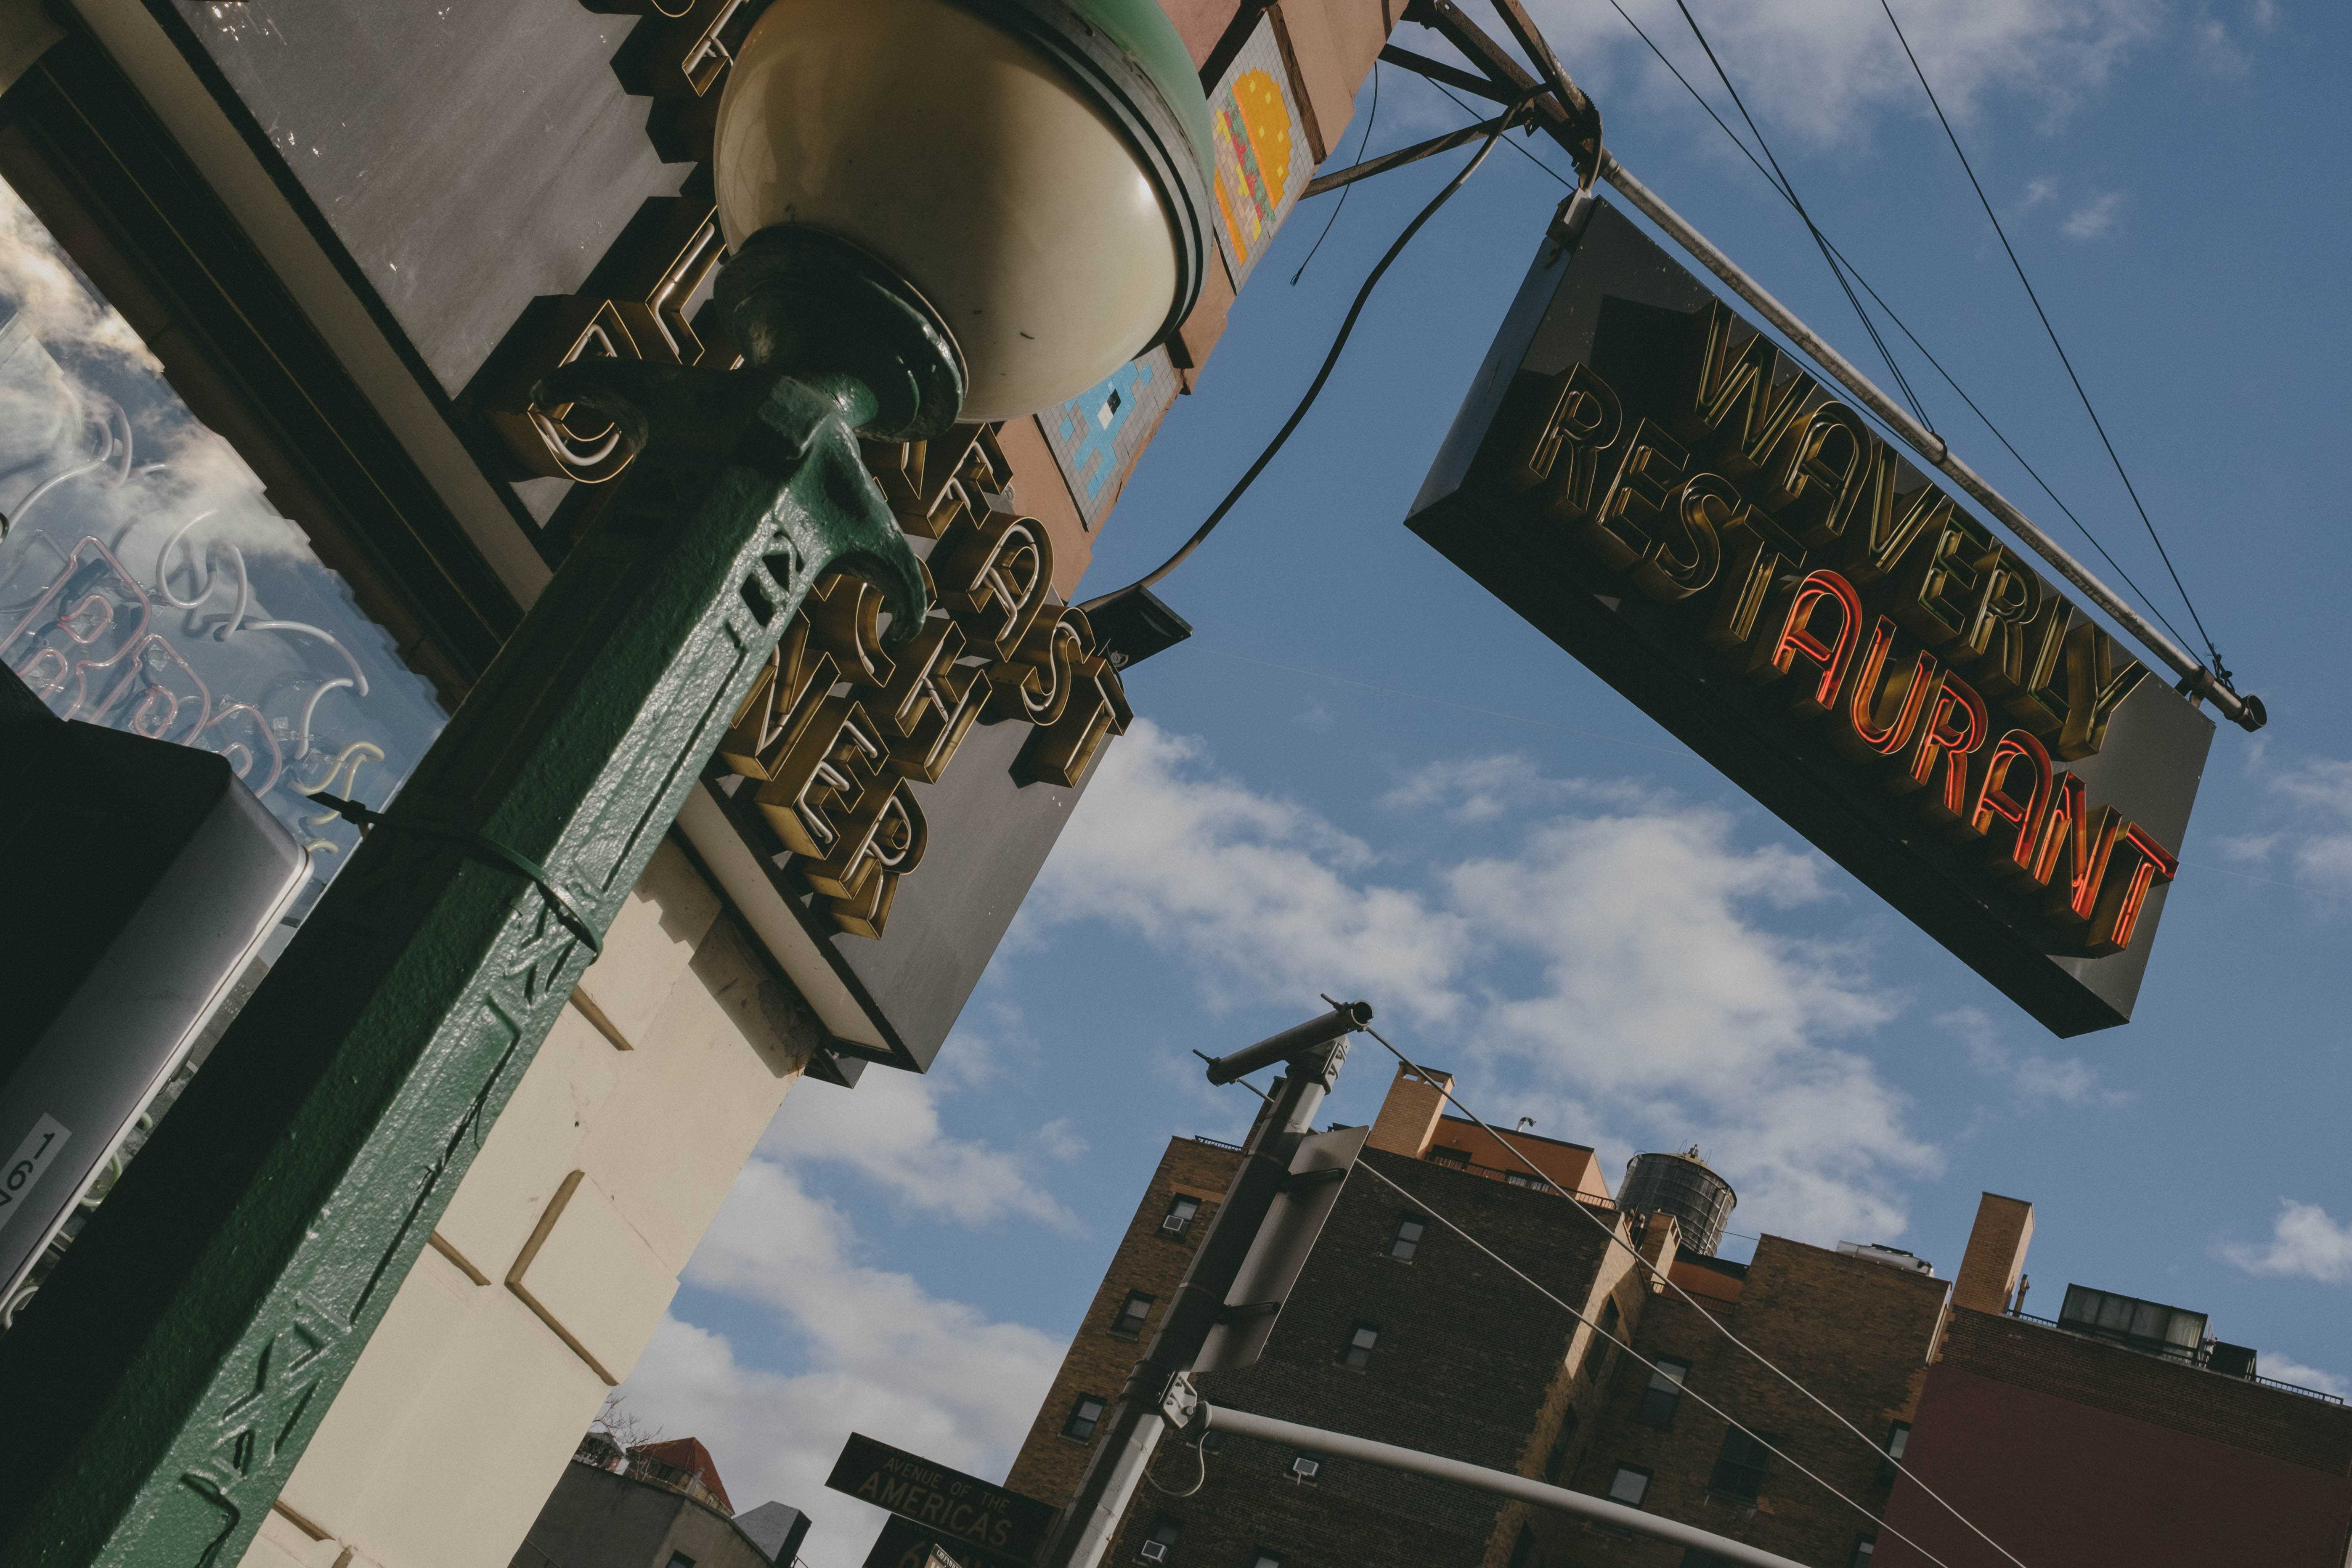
2073	1451
1856	1333
1471	1362
2065	1449
1149	1260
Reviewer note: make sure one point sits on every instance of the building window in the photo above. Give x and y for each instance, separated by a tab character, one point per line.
1305	1468
1266	1560
1523	1551
1517	1179
159	576
1739	1467
1358	1351
1407	1239
1159	1546
1866	1547
1629	1486
1898	1437
680	1560
1180	1210
1457	1158
1210	1442
1085	1415
1131	1317
1555	1465
1665	1393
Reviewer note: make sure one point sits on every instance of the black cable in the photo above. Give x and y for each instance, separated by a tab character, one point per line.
1789	190
2146	599
1370	116
1315	387
479	848
2221	670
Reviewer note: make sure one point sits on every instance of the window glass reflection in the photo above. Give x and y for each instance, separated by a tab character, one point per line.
148	583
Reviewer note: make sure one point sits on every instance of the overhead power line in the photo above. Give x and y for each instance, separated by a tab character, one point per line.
1663	1278
1788	189
1699	97
1422	1204
2220	670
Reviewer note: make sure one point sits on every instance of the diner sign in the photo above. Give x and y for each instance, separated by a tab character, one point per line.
1642	475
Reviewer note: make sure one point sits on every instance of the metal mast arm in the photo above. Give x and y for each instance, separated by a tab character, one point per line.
1184	1406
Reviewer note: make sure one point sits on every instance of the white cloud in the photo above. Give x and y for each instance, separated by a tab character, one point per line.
2305	1244
1253	892
2317	799
889	1131
1678	1015
1622	976
2040	192
1484	789
884	1357
2286	1369
2094	217
2036	1080
1827	70
2321	791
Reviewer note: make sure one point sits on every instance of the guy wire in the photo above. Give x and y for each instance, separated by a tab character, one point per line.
1688	1299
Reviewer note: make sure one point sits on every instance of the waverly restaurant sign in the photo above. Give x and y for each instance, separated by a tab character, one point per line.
1641	474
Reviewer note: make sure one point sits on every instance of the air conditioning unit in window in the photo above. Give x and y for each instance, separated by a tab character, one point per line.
1175	1226
1305	1469
1156	1551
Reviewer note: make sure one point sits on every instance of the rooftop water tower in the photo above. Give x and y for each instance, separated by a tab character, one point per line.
1683	1187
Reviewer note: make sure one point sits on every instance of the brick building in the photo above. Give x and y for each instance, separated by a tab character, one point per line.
2064	1442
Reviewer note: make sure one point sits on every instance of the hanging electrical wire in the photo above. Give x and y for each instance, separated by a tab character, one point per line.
1788	189
1314	389
2221	670
1421	1203
1370	116
1663	1278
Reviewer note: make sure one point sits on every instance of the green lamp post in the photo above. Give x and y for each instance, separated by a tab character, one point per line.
938	210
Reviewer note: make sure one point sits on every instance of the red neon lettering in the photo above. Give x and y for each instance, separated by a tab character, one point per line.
2121	900
1937	758
1776	651
1994	798
1874	721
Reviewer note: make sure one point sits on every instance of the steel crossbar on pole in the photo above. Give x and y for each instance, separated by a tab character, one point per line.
1186	1407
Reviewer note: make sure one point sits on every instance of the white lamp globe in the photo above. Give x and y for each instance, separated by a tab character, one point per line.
1020	162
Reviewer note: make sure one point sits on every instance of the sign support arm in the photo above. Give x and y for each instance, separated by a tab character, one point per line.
2247	712
1185	1408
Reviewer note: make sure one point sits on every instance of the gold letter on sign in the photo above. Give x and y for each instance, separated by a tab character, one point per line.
1060	753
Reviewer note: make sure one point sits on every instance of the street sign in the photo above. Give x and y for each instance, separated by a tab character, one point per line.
962	1511
903	1544
1641	475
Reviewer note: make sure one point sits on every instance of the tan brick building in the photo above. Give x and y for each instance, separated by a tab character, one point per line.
2058	1440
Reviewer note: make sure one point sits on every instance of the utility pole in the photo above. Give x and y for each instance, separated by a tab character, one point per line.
1311	1053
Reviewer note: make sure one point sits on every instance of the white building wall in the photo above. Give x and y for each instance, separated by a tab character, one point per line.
560	1252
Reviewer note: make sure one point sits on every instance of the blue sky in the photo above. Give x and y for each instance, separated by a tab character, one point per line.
1365	775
